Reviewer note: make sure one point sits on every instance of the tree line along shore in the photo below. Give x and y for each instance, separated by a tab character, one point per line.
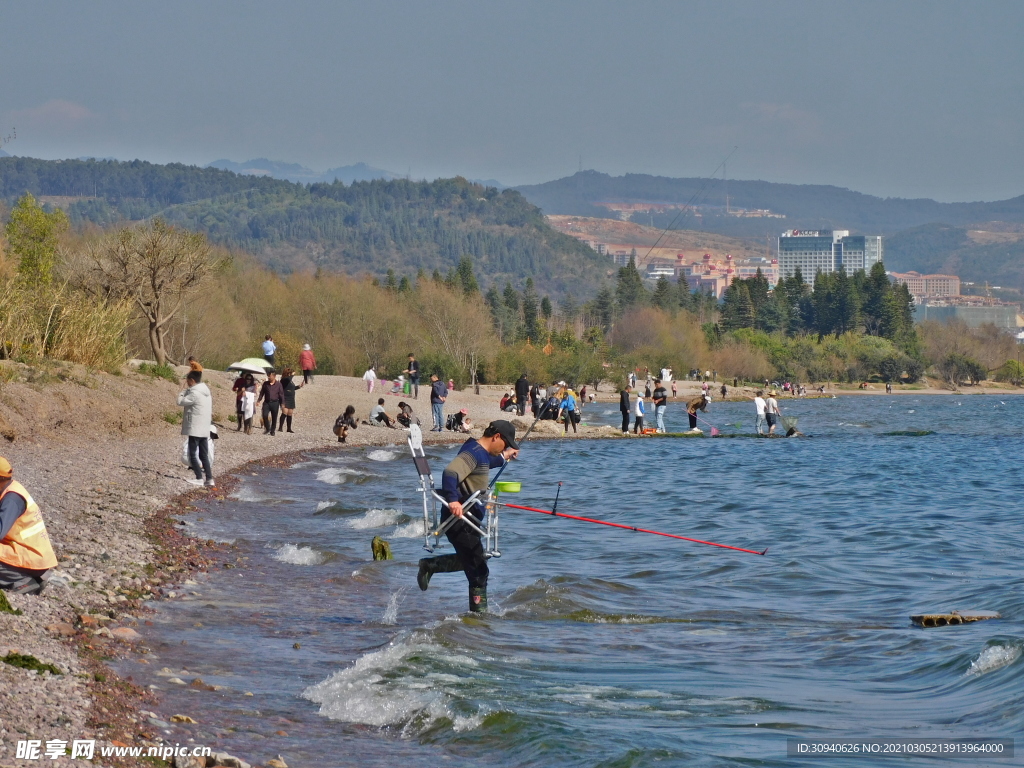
153	290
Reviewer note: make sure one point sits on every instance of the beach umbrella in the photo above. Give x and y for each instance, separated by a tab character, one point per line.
252	365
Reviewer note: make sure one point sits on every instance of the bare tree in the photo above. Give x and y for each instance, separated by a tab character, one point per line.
156	267
459	325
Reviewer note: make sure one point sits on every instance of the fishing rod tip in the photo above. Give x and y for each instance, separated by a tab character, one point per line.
763	553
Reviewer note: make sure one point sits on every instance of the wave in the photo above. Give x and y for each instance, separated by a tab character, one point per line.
411	530
398	686
339	475
992	658
290	553
376	518
249	494
382	455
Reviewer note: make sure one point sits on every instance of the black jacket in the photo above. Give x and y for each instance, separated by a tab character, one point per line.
522	387
624	401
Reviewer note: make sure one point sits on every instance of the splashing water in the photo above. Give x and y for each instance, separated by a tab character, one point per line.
994	657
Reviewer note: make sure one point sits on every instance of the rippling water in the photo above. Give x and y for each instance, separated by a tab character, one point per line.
611	648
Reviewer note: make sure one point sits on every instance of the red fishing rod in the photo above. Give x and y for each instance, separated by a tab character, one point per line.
628	527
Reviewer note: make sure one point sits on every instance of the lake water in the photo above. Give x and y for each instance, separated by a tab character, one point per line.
611	648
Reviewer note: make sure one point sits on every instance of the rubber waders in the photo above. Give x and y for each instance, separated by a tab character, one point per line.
431	565
478	599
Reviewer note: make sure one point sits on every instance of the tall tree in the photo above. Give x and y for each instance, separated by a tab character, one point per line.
664	296
630	291
155	266
531	328
466	277
875	293
546	309
604	307
33	236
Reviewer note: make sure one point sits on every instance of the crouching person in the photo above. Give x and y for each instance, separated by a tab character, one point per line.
25	551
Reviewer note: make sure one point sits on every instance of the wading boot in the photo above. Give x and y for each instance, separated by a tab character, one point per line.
441	564
478	599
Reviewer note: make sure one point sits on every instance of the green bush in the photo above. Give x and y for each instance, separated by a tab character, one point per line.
159	371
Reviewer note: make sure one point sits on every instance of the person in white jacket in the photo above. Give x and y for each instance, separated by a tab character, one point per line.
638	411
197	418
370	377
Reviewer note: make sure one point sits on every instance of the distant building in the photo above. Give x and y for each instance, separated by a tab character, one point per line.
813	251
925	286
715	275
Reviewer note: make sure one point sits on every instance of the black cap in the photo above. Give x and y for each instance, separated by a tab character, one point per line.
507	432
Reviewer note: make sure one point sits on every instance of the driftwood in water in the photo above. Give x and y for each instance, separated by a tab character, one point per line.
952	618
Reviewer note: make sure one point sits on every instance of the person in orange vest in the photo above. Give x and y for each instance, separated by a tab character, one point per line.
25	551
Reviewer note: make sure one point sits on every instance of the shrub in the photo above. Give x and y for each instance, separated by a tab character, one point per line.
159	371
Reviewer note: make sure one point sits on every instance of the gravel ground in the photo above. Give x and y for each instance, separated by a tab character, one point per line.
102	461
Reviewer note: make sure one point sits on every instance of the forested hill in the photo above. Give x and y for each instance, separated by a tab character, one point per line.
369	226
804	206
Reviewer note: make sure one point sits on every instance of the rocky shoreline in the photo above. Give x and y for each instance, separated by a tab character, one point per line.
102	457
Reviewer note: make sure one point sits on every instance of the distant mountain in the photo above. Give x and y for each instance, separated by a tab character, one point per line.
359	227
302	175
3	154
804	206
488	183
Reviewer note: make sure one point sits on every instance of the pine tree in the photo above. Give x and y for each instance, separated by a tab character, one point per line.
389	282
531	328
745	308
604	307
546	309
466	277
630	290
758	288
875	293
664	296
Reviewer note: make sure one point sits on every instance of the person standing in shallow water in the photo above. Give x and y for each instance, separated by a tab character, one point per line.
466	474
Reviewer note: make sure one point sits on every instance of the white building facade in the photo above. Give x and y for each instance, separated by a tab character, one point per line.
813	251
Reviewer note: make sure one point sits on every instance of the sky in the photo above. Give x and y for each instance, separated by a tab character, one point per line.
901	99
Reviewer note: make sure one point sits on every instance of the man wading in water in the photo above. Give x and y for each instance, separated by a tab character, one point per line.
468	473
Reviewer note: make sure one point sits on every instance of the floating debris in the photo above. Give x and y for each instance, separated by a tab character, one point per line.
909	433
953	618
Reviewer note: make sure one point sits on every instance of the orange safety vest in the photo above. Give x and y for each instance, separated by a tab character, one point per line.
27	544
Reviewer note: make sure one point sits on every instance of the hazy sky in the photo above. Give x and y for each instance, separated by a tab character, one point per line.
895	98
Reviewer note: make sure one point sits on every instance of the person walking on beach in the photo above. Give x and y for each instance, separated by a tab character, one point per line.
660	404
288	389
271	395
624	408
269	351
675	391
307	364
466	474
414	375
438	395
25	550
568	410
370	377
638	412
772	412
699	403
761	406
239	389
196	420
249	402
724	390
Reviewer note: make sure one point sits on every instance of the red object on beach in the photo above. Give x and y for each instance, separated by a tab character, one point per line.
630	528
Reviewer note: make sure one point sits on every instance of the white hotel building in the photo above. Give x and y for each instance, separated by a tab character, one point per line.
813	251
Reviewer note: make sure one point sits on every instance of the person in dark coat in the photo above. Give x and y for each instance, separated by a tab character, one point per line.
625	408
288	387
522	394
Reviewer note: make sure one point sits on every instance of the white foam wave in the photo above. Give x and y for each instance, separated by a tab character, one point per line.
290	553
322	505
248	493
410	530
375	518
389	687
338	475
382	455
994	657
